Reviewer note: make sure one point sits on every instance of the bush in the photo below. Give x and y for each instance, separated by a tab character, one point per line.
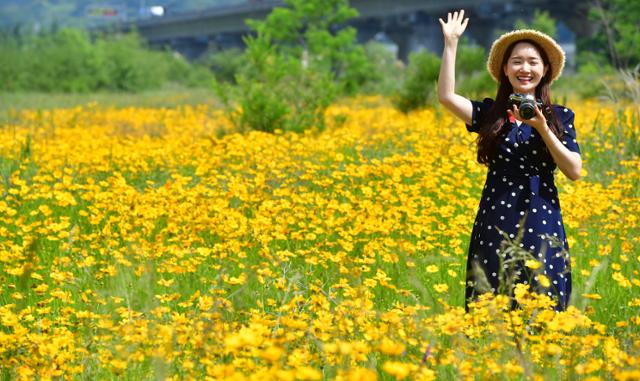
386	72
470	58
587	82
129	67
541	21
12	63
295	66
261	108
69	61
64	61
343	58
472	78
477	85
187	74
419	85
276	92
225	64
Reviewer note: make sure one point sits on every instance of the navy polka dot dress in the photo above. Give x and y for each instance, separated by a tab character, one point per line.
520	190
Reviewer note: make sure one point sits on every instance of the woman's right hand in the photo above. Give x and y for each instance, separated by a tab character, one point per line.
455	26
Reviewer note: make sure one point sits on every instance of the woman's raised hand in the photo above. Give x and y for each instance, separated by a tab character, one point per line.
455	25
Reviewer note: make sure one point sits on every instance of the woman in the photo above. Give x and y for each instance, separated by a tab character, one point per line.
521	154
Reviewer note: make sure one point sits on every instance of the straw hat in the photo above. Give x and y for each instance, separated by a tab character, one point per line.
551	48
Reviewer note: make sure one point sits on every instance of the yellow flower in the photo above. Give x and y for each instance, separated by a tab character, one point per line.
272	354
544	281
237	280
397	369
441	287
345	348
17	296
166	282
25	372
118	364
533	264
592	365
142	199
425	374
621	279
390	347
357	374
307	373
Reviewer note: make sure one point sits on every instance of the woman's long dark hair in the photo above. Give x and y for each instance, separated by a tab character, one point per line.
494	123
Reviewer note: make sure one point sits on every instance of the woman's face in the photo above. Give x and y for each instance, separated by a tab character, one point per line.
525	68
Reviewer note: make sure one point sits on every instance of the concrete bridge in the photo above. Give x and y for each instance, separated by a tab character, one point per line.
409	24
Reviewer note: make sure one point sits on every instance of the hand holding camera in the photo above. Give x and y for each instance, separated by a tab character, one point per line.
525	107
526	104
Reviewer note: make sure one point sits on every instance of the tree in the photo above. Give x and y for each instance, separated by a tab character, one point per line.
618	31
299	58
541	22
314	32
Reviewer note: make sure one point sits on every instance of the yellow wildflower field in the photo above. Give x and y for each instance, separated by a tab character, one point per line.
140	243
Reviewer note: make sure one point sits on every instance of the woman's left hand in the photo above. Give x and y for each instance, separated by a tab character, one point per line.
539	122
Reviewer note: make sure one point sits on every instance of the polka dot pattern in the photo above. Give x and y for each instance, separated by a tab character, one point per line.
520	193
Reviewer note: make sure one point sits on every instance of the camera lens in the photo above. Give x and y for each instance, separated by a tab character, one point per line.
527	110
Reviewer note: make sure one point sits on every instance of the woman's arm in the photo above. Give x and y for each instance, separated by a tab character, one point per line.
569	162
452	30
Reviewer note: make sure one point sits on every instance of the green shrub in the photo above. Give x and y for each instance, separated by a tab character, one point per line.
470	58
262	109
386	72
12	63
276	92
313	32
541	21
69	61
337	53
418	87
472	78
587	82
129	66
295	66
477	85
64	61
188	74
280	105
225	64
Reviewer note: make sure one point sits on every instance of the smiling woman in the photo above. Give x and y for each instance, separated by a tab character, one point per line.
525	67
519	198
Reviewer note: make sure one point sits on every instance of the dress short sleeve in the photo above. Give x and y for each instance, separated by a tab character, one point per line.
479	110
569	138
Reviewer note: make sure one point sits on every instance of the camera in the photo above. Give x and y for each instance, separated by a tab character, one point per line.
526	104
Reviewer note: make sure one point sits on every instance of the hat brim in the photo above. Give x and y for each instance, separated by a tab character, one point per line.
554	52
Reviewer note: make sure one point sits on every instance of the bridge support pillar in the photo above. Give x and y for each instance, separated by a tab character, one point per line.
415	38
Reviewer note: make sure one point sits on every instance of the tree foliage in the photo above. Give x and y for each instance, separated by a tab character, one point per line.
420	82
618	32
313	32
418	89
541	21
68	60
298	60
